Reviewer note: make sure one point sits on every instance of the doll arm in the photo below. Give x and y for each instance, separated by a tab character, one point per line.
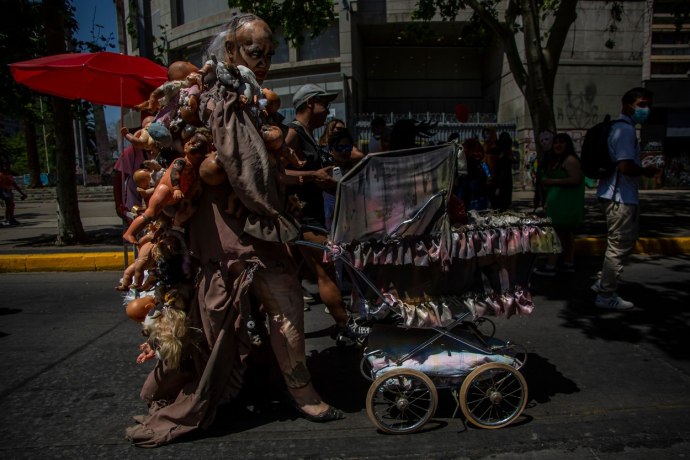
147	353
176	169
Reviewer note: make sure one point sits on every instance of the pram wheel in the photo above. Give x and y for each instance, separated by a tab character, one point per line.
493	395
401	401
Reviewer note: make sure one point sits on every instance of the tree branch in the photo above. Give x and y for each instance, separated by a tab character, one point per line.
563	18
506	33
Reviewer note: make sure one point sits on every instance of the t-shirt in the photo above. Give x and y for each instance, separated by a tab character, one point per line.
623	145
309	193
6	181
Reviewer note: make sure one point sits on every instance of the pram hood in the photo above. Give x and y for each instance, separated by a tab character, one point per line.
384	190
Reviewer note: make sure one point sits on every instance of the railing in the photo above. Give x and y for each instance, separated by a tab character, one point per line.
443	125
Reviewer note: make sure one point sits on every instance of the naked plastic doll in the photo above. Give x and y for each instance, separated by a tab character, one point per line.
145	185
151	136
138	308
141	136
275	144
176	181
133	275
161	96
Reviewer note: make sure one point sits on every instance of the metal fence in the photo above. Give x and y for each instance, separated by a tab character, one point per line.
443	126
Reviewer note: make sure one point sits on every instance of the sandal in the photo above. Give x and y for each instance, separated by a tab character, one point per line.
328	415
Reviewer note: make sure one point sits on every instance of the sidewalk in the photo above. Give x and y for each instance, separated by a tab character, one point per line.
664	230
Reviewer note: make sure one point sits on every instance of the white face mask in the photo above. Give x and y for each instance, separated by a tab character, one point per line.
546	141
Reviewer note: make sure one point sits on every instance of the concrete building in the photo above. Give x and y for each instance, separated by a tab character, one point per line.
381	65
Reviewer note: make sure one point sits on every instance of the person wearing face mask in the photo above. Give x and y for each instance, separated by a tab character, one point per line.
618	196
546	144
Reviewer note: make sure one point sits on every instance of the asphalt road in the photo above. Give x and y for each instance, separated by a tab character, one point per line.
601	385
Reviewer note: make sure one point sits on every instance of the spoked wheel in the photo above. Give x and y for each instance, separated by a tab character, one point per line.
493	395
401	401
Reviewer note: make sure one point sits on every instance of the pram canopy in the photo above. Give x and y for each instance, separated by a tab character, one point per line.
385	189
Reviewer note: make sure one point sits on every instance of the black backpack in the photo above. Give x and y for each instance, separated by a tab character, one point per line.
595	158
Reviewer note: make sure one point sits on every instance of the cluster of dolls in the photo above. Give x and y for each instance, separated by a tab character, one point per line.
158	282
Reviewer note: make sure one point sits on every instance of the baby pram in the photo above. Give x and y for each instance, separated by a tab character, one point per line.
429	285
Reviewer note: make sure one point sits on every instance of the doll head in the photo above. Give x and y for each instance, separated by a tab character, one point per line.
210	171
142	177
179	70
197	146
137	309
273	137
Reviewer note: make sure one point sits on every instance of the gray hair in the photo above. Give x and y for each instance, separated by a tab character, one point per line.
217	45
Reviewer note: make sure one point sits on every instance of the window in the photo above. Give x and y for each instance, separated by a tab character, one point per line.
325	45
188	11
282	50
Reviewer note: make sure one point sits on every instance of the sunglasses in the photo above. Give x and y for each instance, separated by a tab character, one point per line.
342	148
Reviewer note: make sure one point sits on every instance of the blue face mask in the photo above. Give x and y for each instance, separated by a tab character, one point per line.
640	114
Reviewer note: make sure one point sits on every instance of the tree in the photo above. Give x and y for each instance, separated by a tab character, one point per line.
19	40
291	17
59	23
535	72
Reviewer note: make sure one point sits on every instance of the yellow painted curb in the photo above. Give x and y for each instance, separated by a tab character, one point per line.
71	262
107	261
663	246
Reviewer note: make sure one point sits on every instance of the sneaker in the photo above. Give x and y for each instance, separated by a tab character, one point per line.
13	222
612	302
353	332
308	297
546	270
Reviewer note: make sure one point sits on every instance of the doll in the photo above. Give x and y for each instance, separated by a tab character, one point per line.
138	308
168	91
151	136
145	185
167	330
133	275
176	181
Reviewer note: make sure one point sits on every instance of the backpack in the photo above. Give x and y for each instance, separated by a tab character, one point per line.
595	158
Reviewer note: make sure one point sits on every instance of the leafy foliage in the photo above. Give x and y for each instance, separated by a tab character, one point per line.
293	18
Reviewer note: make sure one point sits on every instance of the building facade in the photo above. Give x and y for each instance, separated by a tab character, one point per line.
380	65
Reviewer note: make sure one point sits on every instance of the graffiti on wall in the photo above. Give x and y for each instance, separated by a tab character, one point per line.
581	109
677	171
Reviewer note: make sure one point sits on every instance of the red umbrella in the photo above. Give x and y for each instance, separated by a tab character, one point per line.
101	78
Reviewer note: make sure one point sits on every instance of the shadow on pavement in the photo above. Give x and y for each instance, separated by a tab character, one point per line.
658	317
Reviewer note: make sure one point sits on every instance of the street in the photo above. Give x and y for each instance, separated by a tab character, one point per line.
601	384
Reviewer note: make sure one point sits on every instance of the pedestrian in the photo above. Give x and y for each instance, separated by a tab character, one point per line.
239	255
7	187
473	189
564	189
344	155
335	124
502	195
618	195
125	191
543	155
380	135
311	103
